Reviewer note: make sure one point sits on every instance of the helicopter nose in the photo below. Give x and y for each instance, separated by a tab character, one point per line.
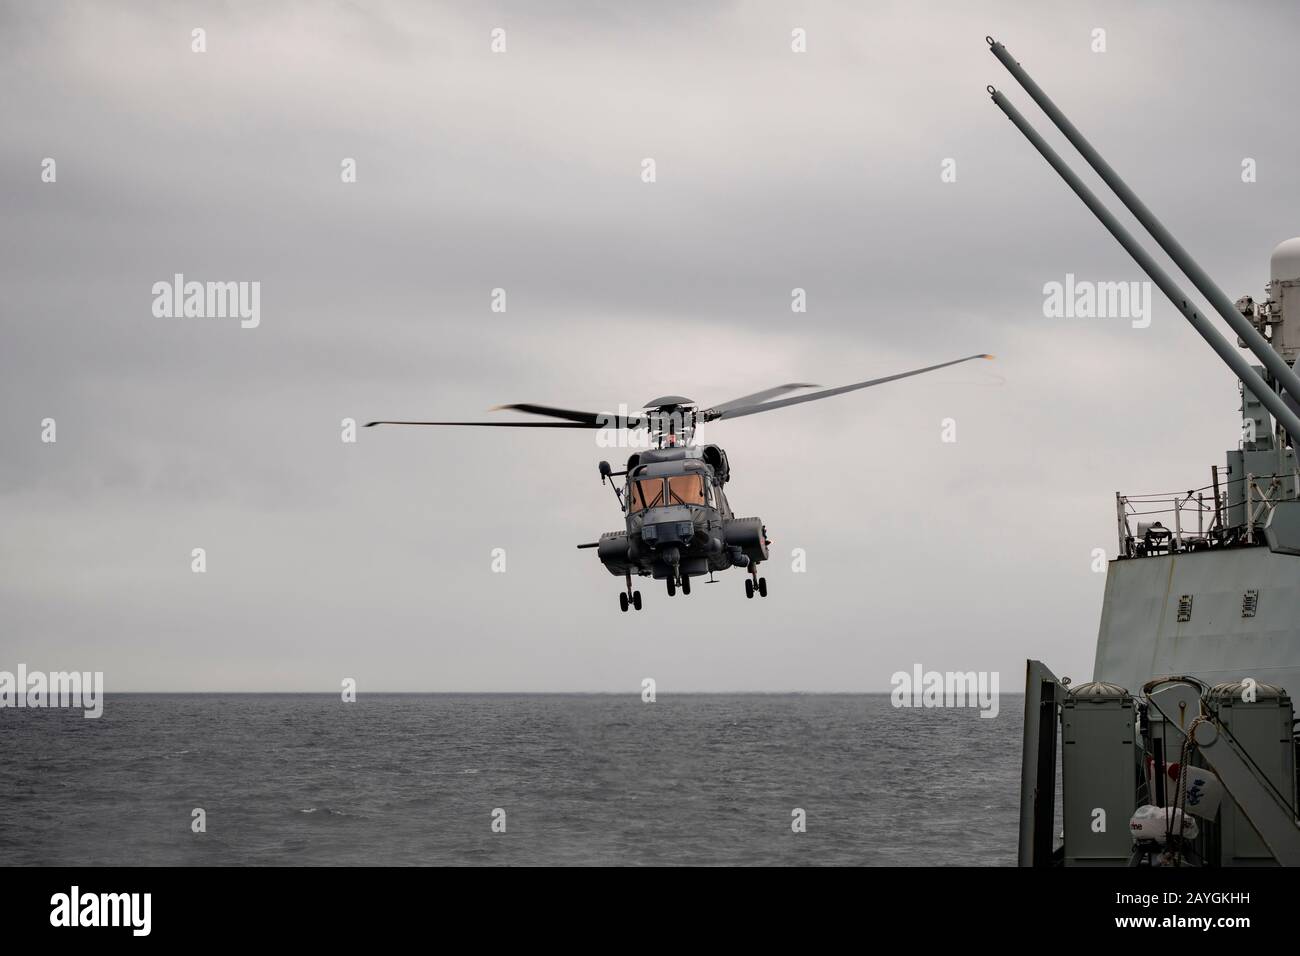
673	527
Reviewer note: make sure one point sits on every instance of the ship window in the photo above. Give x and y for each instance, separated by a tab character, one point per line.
686	490
649	493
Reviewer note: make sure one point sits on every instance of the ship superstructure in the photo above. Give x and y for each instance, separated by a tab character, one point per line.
1182	749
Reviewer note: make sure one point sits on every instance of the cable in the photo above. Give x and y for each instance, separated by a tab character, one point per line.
1224	483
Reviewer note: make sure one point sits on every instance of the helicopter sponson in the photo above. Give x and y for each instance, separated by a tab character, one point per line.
739	542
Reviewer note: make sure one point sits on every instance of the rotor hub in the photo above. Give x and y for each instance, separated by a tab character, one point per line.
671	421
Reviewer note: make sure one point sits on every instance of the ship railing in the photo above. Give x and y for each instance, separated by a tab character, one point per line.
1196	520
1166	522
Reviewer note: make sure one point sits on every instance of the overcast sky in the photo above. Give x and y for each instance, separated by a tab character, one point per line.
522	170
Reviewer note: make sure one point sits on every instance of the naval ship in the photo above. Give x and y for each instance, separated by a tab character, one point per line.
1181	751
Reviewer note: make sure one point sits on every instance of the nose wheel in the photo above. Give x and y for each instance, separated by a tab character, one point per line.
754	583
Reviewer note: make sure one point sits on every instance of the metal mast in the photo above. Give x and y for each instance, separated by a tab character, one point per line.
1264	351
1281	411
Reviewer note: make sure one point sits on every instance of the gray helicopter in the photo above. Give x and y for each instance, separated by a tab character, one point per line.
678	522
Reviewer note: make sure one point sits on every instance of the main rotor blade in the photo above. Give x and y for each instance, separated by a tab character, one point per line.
493	424
829	392
586	419
572	419
756	397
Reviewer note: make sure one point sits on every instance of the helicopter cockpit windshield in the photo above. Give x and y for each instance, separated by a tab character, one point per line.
647	493
674	490
686	490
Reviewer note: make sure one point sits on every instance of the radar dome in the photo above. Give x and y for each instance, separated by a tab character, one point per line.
1285	263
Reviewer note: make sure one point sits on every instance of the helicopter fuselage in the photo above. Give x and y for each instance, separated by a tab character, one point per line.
678	523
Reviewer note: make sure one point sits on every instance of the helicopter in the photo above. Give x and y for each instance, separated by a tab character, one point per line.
678	523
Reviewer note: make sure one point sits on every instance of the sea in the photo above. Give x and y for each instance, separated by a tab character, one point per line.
509	780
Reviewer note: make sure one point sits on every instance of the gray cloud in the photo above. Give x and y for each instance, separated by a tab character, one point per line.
521	171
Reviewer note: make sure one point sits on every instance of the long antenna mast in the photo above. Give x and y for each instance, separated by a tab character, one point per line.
1231	357
1264	351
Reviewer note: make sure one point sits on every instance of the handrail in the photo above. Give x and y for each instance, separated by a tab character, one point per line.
1258	501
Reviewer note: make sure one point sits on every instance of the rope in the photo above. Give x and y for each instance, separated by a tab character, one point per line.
1180	793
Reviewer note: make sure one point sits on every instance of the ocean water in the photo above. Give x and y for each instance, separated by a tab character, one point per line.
414	779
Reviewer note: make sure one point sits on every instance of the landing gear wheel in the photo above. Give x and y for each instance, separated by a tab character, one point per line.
686	585
636	600
672	587
762	587
622	601
749	588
